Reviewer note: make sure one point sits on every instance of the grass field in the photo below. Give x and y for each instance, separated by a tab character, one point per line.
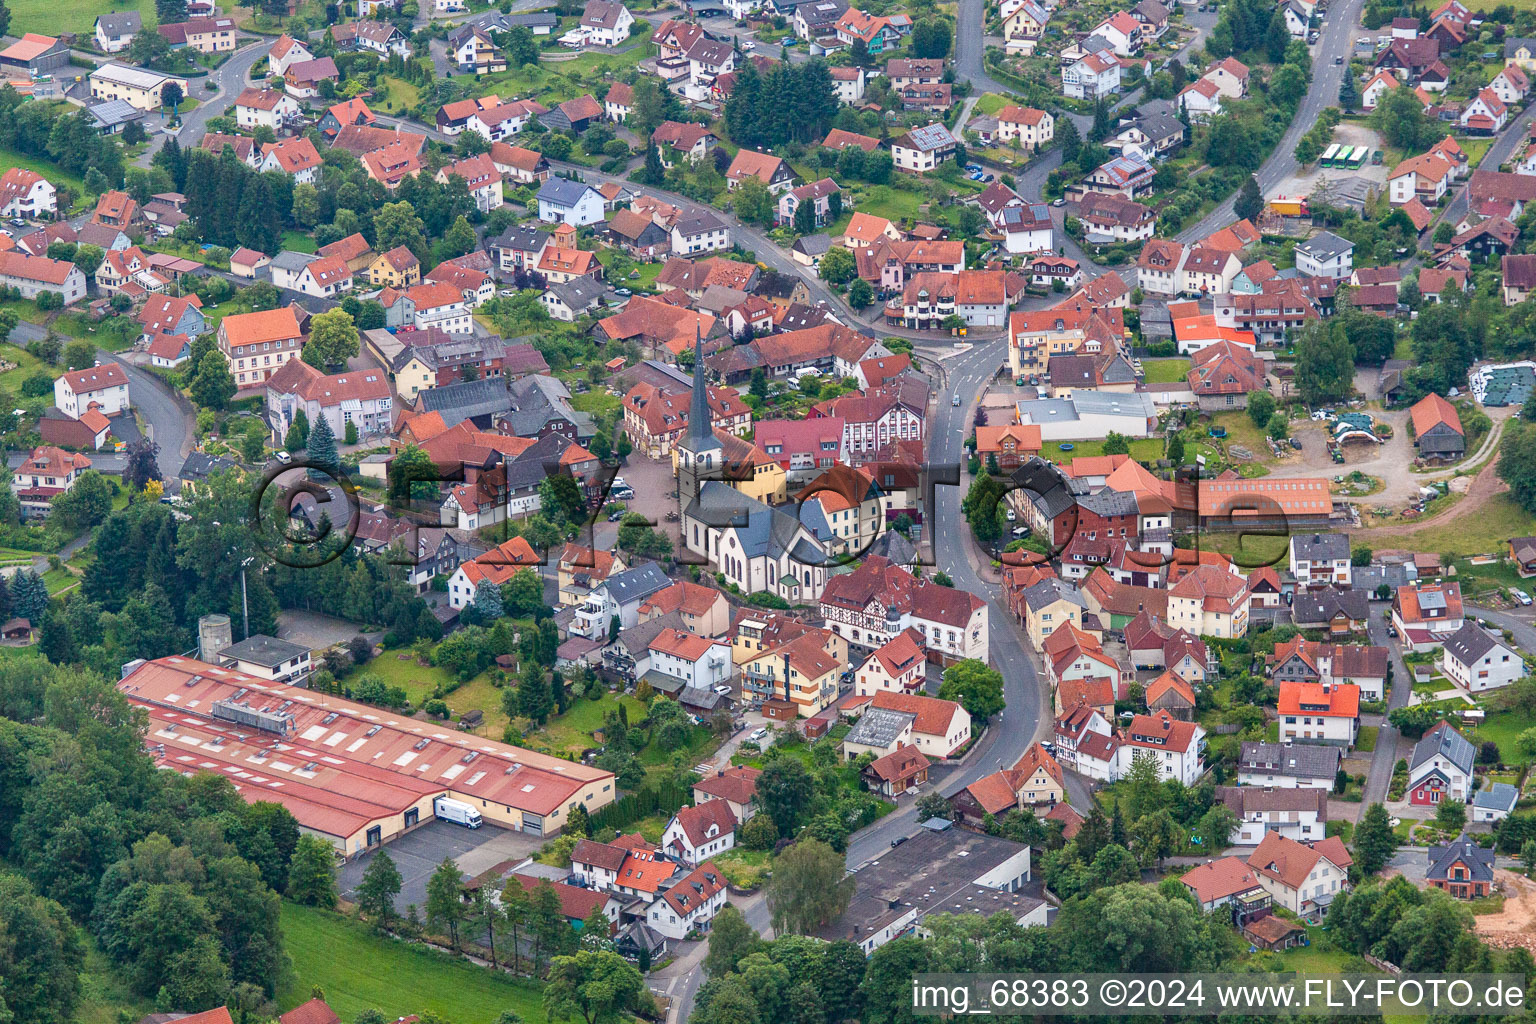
891	203
1502	727
358	971
26	365
47	168
1146	449
400	95
104	997
51	19
596	402
557	81
1486	532
990	103
298	241
1165	371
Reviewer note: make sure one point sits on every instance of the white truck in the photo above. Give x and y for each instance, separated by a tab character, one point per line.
456	811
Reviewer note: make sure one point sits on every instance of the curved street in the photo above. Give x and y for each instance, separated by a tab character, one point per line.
230	77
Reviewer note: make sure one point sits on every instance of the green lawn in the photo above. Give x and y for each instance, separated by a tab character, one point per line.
298	241
358	971
48	18
1165	371
47	168
572	731
557	81
1367	739
104	996
1475	149
990	103
1502	727
26	365
596	402
1146	449
891	203
400	95
419	681
1485	532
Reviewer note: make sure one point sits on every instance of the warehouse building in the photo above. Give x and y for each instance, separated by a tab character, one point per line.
353	774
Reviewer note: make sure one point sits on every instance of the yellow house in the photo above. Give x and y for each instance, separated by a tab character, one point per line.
579	569
397	268
749	469
135	86
413	378
1521	52
1047	605
851	504
1210	601
1028	22
781	658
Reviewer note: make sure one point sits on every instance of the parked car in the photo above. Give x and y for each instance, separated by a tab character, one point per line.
282	457
1523	597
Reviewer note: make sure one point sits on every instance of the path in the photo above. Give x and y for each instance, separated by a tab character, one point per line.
1484	486
1515	925
230	77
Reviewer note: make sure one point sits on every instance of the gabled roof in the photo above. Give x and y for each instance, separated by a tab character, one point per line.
1477	860
1290	862
697	821
1221	879
1432	411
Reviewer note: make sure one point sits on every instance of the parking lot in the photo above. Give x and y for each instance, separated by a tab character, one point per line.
417	855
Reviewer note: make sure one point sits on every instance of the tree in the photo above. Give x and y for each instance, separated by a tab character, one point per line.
731	939
377	891
933	805
784	791
1250	201
1528	856
1176	448
29	595
533	697
809	887
976	686
458	239
931	38
805	218
84	505
333	339
1375	842
1517	462
860	293
171	94
312	873
445	900
1114	444
143	463
43	958
838	266
1261	406
1349	93
151	49
397	224
322	447
1215	829
212	386
753	202
5	18
1325	363
1451	815
593	986
1399	118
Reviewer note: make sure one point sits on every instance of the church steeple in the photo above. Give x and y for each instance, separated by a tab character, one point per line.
701	432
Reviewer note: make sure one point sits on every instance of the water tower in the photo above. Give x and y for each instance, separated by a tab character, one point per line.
213	635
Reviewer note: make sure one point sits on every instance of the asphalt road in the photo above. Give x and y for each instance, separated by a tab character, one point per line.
168	421
970	47
230	78
1027	715
1385	756
1333	42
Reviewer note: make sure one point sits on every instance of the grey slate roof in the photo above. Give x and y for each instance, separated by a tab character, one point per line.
1500	796
1049	591
294	261
1326	245
1479	861
267	651
697	222
467	399
121	23
1445	742
562	192
1297	760
636	584
579	293
761	530
879	727
636	640
1045	485
1110	503
1319	547
524	237
1316	607
1470	643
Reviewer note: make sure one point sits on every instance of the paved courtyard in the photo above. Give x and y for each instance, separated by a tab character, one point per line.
418	854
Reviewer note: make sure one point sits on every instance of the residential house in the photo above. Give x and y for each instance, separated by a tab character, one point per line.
699	832
1295	813
256	345
1287	765
114	32
1304	878
1319	712
922	149
1325	255
1463	869
44	475
1441	767
563	201
1477	660
1427	614
104	386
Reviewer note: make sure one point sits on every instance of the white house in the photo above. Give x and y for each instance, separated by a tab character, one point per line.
33	275
563	201
1300	877
1096	75
1325	255
265	108
1027	228
1178	748
1477	660
286	51
1319	713
606	22
1287	765
689	904
1426	177
699	662
1201	99
115	32
1485	113
922	149
698	833
25	193
1376	88
105	385
1320	559
1300	814
1494	802
699	231
320	276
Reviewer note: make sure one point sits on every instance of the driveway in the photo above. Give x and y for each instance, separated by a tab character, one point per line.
168	416
417	854
1388	740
